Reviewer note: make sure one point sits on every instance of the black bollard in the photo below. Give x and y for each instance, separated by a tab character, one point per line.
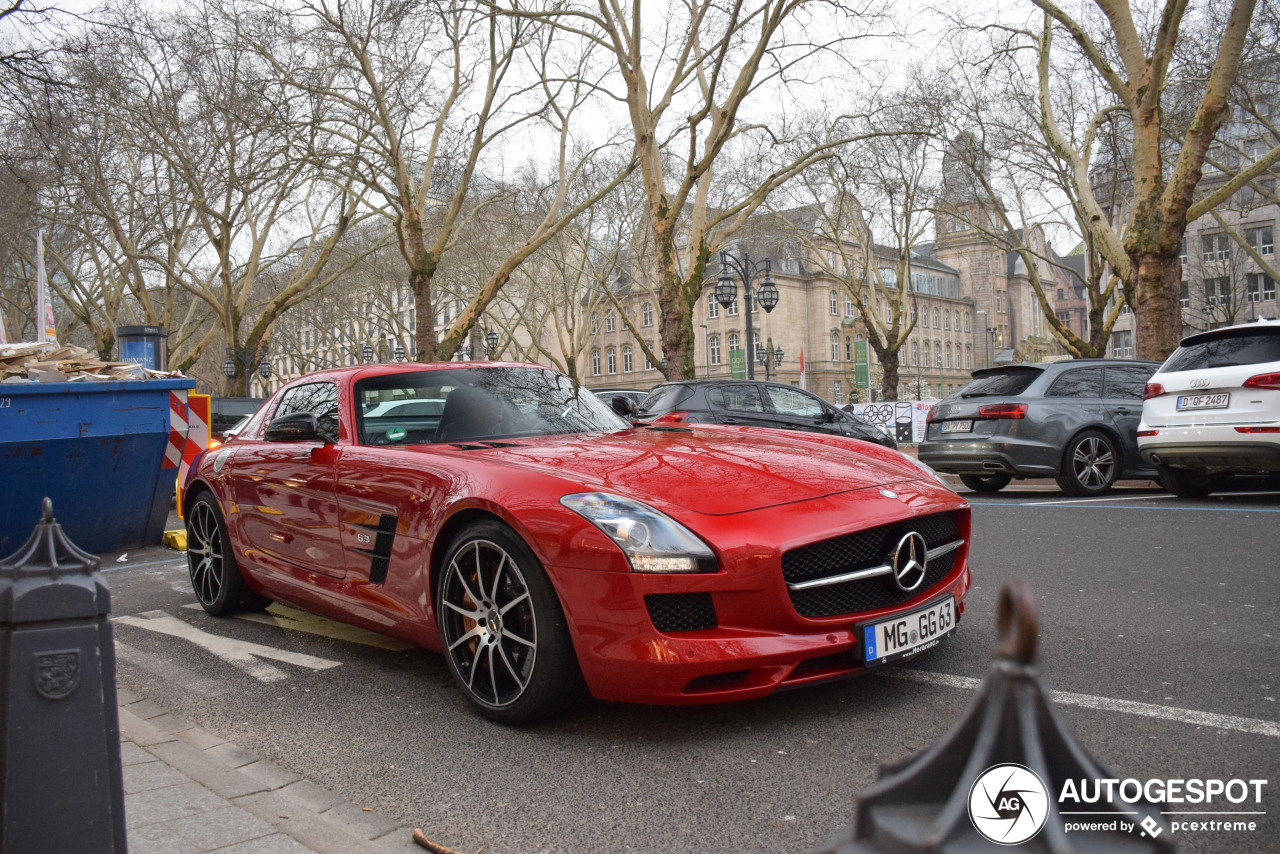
61	787
994	780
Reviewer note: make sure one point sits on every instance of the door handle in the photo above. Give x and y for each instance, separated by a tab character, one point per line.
1124	411
730	421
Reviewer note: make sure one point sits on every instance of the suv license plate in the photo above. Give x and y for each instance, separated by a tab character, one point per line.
1204	401
957	426
890	640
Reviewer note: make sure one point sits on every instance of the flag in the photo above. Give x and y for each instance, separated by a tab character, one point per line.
45	328
4	339
804	384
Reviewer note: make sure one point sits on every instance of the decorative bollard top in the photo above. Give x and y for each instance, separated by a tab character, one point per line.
995	779
50	577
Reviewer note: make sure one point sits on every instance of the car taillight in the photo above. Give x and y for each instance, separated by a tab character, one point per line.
1263	381
1003	410
1142	433
1152	390
932	416
1258	429
671	417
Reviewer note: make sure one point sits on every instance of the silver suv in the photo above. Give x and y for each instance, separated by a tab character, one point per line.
1074	421
1213	409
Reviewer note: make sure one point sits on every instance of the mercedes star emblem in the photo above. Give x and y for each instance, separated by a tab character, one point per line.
908	560
888	493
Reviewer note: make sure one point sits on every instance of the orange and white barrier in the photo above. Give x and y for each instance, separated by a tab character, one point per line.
197	437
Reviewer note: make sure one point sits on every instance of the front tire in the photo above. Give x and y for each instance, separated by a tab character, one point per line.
988	484
215	575
1090	466
504	633
1185	483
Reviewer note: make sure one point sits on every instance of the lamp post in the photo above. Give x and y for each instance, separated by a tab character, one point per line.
726	292
491	342
246	358
769	356
991	335
706	341
399	352
366	352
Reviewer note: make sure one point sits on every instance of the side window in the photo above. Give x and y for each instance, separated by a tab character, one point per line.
1085	382
738	398
1127	383
788	401
320	399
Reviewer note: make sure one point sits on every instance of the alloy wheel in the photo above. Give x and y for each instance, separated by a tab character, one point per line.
1093	463
489	624
205	553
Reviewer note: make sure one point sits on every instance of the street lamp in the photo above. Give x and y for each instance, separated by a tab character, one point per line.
726	292
246	357
491	339
366	352
769	356
986	327
399	352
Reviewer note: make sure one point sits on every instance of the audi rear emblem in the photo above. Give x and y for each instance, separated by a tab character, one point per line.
908	559
1200	383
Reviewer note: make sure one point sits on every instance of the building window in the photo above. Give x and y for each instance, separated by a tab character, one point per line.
1217	290
713	307
755	345
1061	293
926	354
714	349
595	363
1184	296
733	341
937	354
646	314
831	261
595	323
833	304
1215	247
946	320
648	365
1261	286
915	353
848	307
835	346
626	359
1182	252
1262	239
612	358
848	348
968	356
732	311
1122	344
609	322
966	321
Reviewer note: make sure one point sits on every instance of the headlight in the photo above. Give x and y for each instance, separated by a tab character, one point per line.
652	541
927	469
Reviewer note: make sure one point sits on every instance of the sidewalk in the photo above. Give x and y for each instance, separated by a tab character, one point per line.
187	790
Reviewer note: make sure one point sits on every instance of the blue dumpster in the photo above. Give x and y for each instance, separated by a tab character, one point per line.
96	449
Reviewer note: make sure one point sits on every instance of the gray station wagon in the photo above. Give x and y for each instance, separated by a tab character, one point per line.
1074	421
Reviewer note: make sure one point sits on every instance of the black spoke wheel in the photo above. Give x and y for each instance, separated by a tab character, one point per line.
986	483
1185	483
1090	465
215	576
502	627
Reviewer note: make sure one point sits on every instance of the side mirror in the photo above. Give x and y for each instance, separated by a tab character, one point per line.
828	415
294	427
623	406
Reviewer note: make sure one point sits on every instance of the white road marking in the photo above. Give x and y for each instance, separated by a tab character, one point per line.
297	620
169	672
1154	495
242	654
1253	726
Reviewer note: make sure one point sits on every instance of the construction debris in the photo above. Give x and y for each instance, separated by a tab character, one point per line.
54	363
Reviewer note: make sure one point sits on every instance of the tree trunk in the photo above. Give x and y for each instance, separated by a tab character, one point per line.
1158	302
425	336
889	385
676	328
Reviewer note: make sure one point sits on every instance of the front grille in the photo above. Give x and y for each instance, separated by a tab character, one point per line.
715	680
863	550
681	612
834	661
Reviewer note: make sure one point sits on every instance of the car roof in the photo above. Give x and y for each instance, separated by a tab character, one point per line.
1063	364
1263	323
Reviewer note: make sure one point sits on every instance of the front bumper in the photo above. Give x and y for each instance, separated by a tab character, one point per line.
1211	448
759	643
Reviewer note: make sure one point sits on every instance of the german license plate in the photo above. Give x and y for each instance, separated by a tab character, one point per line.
957	426
1204	401
908	634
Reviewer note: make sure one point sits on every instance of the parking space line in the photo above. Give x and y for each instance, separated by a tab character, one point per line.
284	617
1253	726
1087	500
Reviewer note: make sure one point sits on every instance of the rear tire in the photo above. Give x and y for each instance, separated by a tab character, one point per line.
988	484
215	575
1185	483
503	630
1090	466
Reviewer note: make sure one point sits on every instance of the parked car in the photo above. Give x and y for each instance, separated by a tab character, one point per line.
755	404
1213	409
1074	421
227	412
632	396
547	547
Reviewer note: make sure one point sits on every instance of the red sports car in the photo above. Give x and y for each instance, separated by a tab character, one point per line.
506	517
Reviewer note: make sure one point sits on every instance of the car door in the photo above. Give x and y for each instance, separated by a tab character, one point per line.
285	506
800	410
1072	401
1122	397
741	404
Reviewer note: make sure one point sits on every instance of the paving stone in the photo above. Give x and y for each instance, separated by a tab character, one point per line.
124	697
132	754
272	807
270	774
396	842
231	754
171	802
140	731
145	709
277	843
151	775
219	828
356	821
322	837
169	723
222	780
311	796
154	839
200	739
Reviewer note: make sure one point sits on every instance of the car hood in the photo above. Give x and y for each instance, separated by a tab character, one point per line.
716	471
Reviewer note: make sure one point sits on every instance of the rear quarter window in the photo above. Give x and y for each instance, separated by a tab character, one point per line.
1243	347
1082	382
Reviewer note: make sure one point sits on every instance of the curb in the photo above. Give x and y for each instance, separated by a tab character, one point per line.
278	802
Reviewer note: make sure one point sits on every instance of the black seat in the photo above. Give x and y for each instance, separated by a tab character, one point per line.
469	414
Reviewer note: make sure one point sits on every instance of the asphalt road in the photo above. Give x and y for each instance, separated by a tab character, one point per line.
1143	599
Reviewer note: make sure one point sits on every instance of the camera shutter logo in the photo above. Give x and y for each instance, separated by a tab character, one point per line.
1008	804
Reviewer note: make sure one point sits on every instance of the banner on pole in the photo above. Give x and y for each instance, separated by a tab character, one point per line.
46	330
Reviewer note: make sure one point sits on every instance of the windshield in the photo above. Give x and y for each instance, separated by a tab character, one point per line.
1239	347
1006	383
476	404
